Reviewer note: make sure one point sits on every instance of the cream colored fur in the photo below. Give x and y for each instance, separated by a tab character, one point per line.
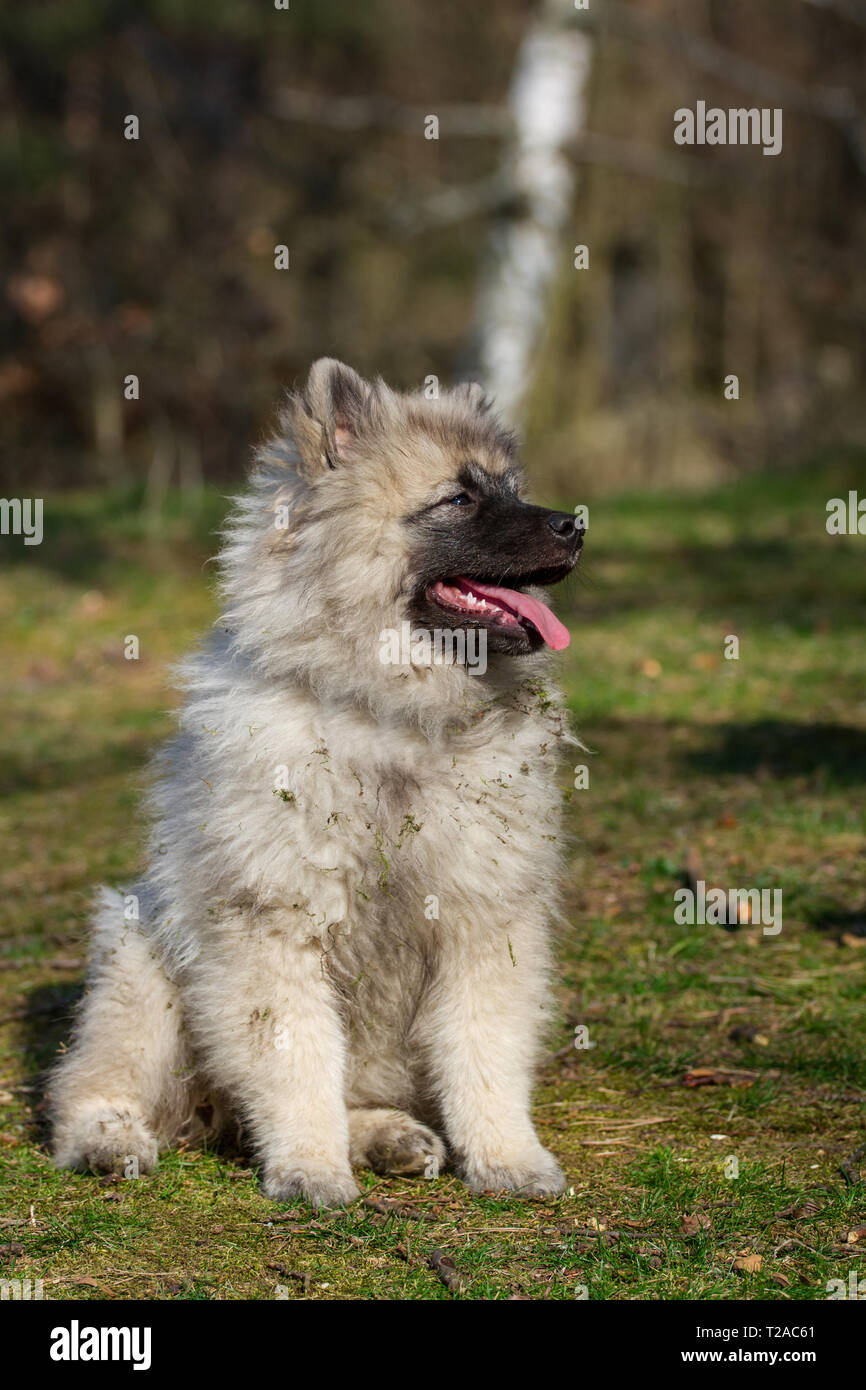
354	967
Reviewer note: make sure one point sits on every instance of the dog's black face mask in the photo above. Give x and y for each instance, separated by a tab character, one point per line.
475	552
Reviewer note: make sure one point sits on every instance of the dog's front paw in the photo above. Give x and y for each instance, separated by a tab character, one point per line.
536	1174
106	1139
321	1187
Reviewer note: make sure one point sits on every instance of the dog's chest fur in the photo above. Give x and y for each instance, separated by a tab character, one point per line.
370	809
404	843
370	835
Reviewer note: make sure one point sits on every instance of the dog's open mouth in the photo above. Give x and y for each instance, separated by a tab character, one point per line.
501	609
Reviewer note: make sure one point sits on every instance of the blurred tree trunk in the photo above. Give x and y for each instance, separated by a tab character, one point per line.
548	104
106	405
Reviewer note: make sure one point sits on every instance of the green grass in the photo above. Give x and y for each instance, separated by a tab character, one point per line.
751	771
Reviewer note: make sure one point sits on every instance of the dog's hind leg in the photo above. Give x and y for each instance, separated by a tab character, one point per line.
121	1092
390	1141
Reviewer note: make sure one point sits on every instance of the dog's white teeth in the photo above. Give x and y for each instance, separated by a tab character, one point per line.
473	601
481	605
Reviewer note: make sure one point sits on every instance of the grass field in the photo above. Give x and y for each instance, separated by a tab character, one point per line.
747	772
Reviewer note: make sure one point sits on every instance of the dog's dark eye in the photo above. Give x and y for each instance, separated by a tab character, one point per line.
461	500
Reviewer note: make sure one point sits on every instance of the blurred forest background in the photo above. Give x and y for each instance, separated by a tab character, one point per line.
305	127
412	257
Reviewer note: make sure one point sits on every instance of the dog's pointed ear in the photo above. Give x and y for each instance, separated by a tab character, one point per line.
475	396
329	414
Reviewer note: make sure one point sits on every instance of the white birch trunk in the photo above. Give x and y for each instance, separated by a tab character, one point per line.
548	105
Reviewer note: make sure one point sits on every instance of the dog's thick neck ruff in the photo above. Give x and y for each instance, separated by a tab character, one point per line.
373	509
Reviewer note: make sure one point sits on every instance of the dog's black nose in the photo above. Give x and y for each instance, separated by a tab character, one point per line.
563	524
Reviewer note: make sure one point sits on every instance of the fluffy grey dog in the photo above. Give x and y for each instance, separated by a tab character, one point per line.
342	940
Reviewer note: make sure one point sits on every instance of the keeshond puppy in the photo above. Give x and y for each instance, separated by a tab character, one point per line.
342	943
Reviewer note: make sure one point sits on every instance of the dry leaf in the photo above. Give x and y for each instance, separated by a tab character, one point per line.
694	1222
719	1076
748	1264
801	1209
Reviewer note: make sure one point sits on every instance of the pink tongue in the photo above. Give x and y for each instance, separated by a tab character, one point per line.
552	630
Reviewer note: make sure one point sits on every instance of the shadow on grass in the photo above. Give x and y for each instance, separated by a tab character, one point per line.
47	1022
89	535
780	579
30	773
779	748
838	922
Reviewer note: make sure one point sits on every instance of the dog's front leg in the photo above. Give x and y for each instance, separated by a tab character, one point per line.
263	1012
480	1032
